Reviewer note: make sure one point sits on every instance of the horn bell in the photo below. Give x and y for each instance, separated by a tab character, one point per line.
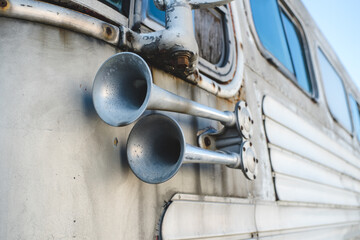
155	148
121	89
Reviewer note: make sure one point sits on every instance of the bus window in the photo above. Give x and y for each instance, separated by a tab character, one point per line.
210	40
115	3
354	106
334	92
297	53
282	39
154	13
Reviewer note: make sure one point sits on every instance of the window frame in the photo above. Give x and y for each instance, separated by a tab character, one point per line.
349	131
98	7
216	72
354	133
314	95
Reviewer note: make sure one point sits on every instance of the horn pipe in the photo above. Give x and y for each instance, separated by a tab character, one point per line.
123	89
156	149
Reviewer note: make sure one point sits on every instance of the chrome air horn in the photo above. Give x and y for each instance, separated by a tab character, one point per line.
156	149
123	90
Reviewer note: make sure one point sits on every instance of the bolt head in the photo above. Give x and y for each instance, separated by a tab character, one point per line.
183	61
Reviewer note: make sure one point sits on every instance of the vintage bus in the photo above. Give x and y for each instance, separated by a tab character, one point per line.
174	119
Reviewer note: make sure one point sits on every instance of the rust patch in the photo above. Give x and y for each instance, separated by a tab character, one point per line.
129	37
108	32
182	61
4	4
207	141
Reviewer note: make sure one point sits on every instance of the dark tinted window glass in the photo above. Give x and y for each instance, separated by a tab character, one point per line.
297	53
269	27
356	116
120	5
335	92
210	39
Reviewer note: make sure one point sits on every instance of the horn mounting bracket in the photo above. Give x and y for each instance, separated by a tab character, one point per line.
175	48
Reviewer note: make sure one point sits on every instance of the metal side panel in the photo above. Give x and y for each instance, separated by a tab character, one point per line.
272	219
332	232
299	190
291	164
208	217
289	119
285	138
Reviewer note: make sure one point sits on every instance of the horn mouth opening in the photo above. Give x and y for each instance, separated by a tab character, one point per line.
155	148
121	89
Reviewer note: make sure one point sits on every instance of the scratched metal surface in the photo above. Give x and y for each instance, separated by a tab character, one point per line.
61	172
64	173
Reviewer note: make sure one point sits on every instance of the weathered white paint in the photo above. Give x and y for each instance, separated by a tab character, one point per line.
292	164
285	138
289	119
62	176
236	218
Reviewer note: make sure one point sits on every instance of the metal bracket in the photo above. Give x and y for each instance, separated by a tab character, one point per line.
175	48
234	139
244	120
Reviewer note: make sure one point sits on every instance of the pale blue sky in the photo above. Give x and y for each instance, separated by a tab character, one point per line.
339	21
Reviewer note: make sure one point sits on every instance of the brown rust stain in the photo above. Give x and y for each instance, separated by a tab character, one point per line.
109	32
129	37
4	5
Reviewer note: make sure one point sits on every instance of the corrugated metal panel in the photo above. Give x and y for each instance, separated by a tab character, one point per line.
206	218
290	217
306	162
289	119
291	164
299	190
324	233
285	138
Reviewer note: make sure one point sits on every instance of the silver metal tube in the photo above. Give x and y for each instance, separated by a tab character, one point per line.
162	46
62	17
199	155
161	99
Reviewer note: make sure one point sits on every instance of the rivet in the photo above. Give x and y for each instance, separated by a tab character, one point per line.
207	141
254	177
244	149
3	3
246	170
108	31
250	144
257	160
